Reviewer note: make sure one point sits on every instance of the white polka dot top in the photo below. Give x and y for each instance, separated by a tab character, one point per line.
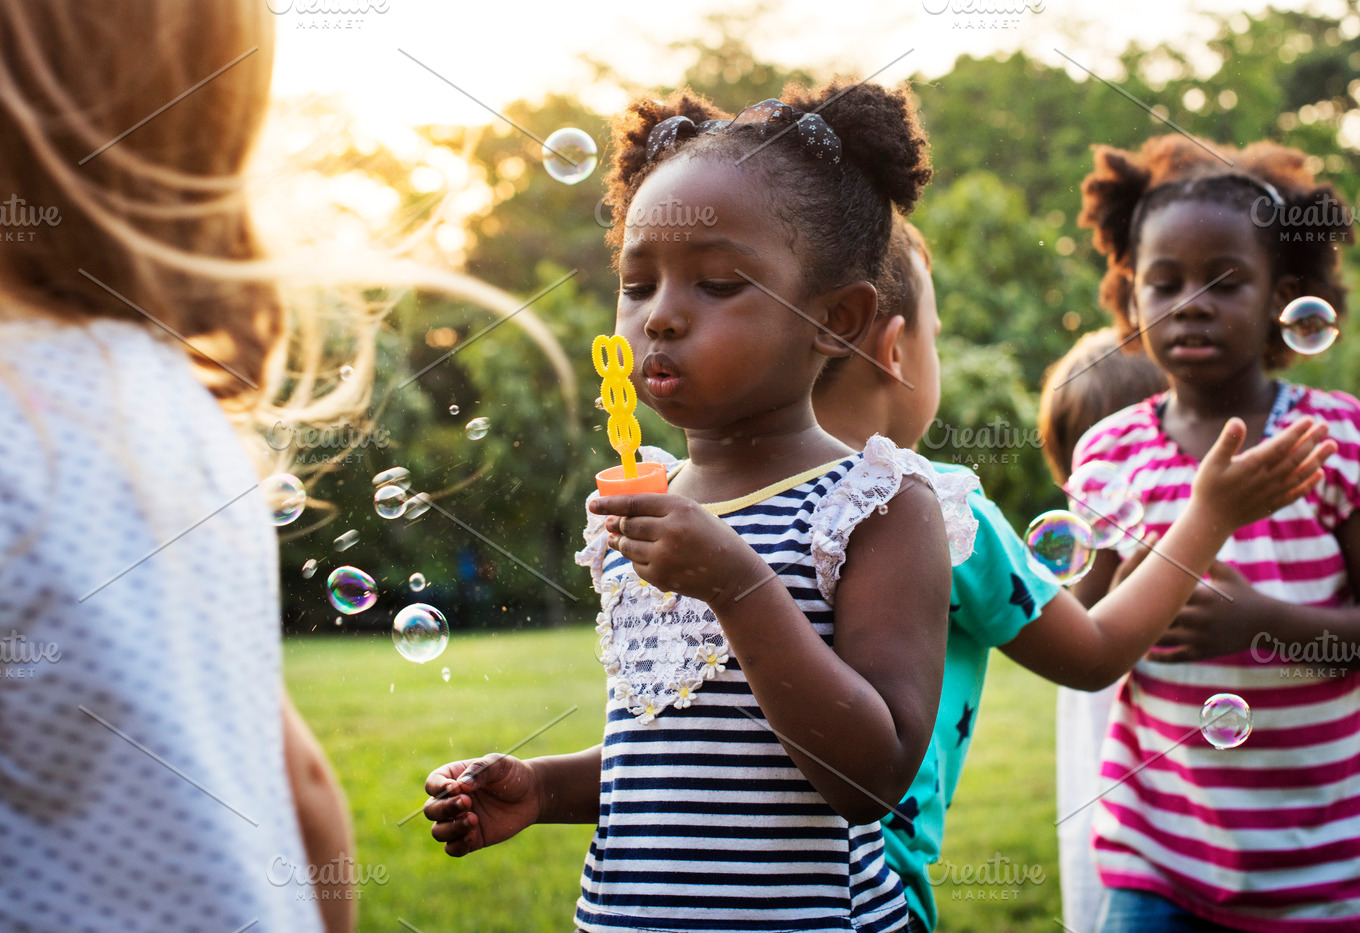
142	782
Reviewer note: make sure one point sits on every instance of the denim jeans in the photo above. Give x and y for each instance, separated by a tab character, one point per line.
1128	911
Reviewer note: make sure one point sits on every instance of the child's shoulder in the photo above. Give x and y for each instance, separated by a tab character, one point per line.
1117	435
1338	409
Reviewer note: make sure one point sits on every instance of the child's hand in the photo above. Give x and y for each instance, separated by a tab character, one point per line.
1211	626
678	547
1243	488
481	802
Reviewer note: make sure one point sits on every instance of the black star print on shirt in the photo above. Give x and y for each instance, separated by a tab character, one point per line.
1021	596
905	814
965	723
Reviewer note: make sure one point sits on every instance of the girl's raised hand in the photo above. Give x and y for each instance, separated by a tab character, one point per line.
481	802
679	547
1241	488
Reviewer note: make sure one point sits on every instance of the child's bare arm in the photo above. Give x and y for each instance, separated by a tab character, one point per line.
1210	626
483	801
855	719
1089	650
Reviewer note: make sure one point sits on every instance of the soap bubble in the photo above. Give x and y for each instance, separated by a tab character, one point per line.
1308	325
882	510
454	409
346	373
417	582
417	505
347	540
286	497
420	632
477	428
1225	720
1101	497
350	590
389	501
570	155
599	402
394	476
446	674
309	569
1059	546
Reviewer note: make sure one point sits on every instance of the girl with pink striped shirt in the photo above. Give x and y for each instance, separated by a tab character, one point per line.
1265	836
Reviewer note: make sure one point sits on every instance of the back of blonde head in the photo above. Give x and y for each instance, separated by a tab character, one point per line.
159	215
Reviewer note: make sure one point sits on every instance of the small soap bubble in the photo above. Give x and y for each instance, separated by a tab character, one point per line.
446	674
1059	546
337	621
350	590
570	155
882	510
391	688
454	409
1100	496
286	497
417	582
477	428
347	540
420	632
417	505
346	373
1308	325
1225	720
389	501
309	569
395	476
599	402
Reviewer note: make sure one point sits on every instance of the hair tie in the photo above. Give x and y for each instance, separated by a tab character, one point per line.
770	117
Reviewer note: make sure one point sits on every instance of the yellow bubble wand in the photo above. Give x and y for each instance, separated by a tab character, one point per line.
613	359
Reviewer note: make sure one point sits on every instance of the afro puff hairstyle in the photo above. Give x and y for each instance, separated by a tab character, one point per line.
1126	187
840	215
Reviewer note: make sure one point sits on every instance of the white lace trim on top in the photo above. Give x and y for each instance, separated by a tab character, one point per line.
658	649
869	485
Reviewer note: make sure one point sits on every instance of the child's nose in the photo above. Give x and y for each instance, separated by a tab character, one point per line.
666	317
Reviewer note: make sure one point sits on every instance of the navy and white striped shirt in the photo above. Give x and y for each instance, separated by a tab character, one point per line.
705	822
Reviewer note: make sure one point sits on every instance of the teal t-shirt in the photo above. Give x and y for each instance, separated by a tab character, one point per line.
994	595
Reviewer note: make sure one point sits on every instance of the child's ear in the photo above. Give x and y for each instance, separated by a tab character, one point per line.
883	346
850	313
1287	288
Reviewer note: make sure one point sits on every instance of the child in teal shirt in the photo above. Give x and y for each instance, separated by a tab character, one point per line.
996	599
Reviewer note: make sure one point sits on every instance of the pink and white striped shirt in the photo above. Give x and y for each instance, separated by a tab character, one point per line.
1265	836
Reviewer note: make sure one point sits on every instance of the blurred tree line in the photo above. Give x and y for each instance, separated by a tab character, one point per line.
1015	280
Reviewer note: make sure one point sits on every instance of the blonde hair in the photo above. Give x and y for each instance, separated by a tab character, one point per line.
135	119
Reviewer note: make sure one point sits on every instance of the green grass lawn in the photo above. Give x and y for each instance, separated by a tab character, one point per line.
386	723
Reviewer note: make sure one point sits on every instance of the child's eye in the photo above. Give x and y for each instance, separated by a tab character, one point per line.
636	291
721	288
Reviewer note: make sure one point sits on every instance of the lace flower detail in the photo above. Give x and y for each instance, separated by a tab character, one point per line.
684	692
713	660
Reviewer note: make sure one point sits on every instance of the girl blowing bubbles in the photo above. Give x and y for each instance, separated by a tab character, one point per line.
1265	836
773	679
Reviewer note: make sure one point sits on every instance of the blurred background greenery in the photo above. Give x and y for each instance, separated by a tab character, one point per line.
1015	279
1016	283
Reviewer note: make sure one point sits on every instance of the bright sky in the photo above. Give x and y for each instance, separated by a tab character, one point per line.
498	54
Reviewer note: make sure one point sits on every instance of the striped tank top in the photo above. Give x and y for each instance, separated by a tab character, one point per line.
1265	836
705	821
